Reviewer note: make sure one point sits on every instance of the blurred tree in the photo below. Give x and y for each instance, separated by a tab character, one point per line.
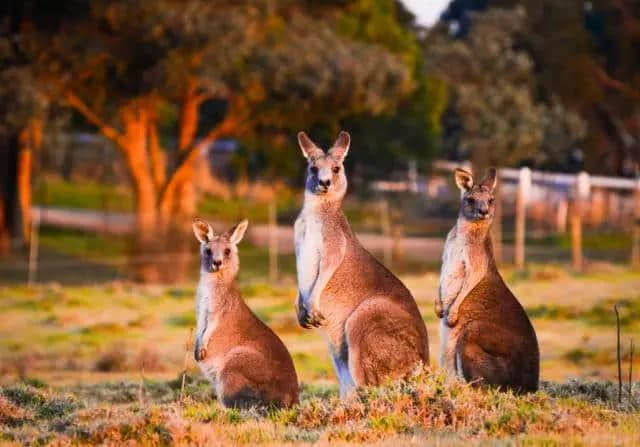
388	142
494	114
22	111
586	57
131	68
491	83
385	138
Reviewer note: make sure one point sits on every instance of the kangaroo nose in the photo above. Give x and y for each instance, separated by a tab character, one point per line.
217	262
483	211
324	183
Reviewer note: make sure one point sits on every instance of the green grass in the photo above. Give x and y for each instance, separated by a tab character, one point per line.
83	244
600	314
89	195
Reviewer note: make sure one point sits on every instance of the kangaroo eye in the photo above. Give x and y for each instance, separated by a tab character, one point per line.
470	200
491	200
314	169
336	169
227	251
207	252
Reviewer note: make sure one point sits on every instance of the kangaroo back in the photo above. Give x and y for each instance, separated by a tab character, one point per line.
497	344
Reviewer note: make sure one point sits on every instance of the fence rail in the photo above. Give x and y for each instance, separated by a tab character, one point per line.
559	179
568	196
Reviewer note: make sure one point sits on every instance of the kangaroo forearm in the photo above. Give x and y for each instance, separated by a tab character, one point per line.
329	263
321	282
450	289
467	287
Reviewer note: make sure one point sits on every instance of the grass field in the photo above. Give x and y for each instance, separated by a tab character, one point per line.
102	363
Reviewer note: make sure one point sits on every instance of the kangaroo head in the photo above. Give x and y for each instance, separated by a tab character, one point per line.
325	173
477	199
219	252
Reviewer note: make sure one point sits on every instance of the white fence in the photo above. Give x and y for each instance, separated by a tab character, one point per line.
556	200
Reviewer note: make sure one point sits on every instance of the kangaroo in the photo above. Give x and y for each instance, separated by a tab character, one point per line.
244	359
486	336
372	323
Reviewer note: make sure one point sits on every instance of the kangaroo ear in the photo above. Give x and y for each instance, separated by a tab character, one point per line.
491	180
309	149
341	147
236	233
202	230
464	179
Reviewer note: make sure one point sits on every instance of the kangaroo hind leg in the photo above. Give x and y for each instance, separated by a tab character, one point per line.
483	358
340	359
241	381
383	342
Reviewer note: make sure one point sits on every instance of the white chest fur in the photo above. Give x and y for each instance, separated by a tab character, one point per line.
308	244
452	271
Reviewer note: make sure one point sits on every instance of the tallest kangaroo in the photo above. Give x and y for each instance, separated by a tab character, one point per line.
372	323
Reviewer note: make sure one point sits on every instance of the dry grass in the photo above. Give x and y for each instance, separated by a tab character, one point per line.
71	363
430	408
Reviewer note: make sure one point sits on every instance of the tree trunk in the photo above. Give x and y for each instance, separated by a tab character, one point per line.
8	191
135	119
178	205
30	141
185	196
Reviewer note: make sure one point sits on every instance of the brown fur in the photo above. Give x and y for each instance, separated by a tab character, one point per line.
371	320
493	342
248	363
486	335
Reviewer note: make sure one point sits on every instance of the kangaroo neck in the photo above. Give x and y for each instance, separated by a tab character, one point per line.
218	291
477	238
328	204
473	232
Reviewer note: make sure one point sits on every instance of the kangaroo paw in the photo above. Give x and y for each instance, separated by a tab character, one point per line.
317	318
452	319
304	319
200	354
438	309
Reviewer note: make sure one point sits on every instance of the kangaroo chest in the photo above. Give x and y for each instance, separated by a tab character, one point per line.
309	231
453	269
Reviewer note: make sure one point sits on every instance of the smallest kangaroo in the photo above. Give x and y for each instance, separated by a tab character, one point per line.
244	359
486	335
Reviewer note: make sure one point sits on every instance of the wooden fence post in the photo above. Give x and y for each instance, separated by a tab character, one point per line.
496	228
524	185
385	223
33	247
397	234
561	216
273	241
635	235
580	194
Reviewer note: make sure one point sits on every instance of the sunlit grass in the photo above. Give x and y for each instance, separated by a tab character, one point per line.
429	406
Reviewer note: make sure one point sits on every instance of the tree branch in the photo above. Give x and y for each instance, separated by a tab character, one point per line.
108	131
615	84
158	161
226	126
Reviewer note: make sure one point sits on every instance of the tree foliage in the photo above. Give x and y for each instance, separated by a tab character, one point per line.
500	118
585	58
